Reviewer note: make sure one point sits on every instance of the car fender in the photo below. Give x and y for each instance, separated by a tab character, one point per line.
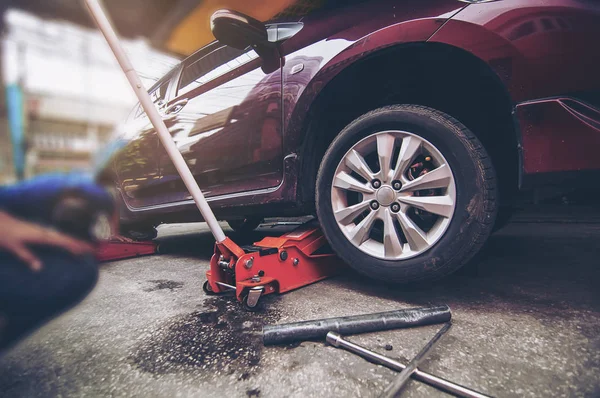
500	54
531	45
300	93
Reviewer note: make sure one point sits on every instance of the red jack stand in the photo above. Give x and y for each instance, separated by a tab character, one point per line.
117	250
273	265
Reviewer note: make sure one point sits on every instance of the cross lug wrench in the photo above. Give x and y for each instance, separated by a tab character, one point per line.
336	340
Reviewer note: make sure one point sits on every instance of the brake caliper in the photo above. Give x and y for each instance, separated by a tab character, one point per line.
421	166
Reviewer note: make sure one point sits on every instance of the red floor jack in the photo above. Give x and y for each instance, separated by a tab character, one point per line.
273	265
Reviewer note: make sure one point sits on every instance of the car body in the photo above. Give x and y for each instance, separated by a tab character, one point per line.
521	74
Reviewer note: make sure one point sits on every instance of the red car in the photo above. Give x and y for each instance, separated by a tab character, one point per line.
407	126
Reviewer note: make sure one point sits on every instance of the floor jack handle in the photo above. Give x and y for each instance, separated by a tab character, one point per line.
155	118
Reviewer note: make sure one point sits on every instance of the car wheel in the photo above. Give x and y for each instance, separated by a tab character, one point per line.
245	225
76	214
139	233
406	193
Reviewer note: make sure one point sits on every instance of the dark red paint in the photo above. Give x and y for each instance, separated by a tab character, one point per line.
242	132
539	48
559	135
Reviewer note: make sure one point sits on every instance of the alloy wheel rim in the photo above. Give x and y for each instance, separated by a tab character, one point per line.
393	195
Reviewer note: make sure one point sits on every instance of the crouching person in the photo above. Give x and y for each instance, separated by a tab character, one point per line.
44	272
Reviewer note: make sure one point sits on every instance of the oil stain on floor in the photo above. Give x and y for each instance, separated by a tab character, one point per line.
224	339
161	284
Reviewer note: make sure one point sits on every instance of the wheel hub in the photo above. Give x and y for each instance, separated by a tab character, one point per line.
385	196
393	195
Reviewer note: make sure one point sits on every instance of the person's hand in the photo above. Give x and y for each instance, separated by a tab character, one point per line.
18	234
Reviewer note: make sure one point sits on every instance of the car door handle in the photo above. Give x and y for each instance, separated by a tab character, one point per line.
176	107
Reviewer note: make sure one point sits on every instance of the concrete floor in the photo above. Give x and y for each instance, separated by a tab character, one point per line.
526	323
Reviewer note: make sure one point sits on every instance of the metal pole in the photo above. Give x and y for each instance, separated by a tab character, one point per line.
155	118
318	328
395	387
338	341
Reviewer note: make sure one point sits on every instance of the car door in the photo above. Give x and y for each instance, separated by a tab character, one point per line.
226	121
137	163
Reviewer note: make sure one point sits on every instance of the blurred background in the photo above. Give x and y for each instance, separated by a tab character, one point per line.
62	95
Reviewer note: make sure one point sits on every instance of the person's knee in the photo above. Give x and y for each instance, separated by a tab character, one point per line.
78	281
83	278
63	281
29	299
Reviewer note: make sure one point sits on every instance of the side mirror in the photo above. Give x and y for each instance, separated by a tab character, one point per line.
239	31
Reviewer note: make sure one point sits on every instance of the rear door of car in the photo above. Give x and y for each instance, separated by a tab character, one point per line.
226	121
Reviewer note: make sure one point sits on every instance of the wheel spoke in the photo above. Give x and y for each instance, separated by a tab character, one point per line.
346	215
359	234
437	178
408	151
391	241
385	151
417	239
440	205
344	180
357	163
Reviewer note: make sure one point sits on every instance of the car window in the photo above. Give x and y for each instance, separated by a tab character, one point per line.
214	64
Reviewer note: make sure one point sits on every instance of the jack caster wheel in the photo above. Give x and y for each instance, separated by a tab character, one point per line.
207	289
256	308
251	300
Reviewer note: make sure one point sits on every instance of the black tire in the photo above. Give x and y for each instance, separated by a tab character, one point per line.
76	214
139	233
476	204
245	225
